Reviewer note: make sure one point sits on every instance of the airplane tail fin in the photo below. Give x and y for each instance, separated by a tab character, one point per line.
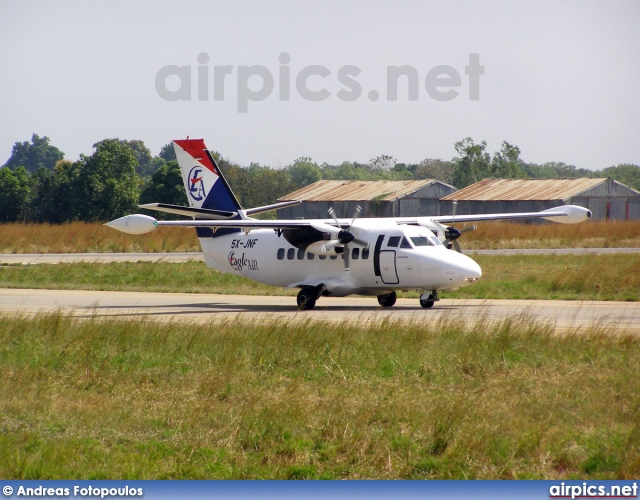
204	183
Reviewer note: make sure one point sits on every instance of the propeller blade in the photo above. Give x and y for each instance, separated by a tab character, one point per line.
332	213
456	245
360	242
345	256
453	214
355	215
468	229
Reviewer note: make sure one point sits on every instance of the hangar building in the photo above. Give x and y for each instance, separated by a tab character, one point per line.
606	198
377	199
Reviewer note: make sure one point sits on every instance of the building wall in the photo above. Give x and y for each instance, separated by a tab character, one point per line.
609	196
424	202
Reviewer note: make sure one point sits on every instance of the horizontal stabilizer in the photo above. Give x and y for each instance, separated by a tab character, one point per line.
202	213
275	206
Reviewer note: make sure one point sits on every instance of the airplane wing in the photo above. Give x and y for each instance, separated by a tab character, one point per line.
566	214
140	224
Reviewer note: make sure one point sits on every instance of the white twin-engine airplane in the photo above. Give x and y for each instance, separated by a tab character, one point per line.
322	257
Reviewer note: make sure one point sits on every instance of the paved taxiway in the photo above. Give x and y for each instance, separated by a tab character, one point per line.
624	316
57	258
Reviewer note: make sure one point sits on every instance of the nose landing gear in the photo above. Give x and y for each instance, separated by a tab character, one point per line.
427	299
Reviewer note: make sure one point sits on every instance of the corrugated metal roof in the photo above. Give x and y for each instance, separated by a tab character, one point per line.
524	189
356	190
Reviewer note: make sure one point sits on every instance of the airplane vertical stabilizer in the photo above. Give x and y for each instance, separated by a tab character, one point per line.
204	183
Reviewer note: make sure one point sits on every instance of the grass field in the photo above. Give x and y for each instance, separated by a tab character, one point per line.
572	277
146	400
81	237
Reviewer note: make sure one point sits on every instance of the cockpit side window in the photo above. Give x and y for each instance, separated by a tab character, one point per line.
405	243
394	241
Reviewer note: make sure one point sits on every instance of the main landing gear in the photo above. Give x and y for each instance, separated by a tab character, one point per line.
308	296
306	299
387	300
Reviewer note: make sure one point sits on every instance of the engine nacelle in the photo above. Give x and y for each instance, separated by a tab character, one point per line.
331	247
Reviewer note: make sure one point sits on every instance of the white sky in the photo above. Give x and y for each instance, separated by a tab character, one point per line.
561	78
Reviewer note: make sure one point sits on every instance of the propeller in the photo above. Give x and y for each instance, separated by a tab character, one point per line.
452	234
345	236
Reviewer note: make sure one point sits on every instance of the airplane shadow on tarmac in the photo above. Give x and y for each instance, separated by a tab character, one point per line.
199	309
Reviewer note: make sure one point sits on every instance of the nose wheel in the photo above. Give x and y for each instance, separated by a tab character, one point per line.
387	300
428	299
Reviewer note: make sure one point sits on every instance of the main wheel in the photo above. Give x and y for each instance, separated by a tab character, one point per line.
306	299
428	303
387	300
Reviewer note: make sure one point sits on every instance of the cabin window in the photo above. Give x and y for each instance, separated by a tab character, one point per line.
365	253
300	254
322	257
394	241
310	256
333	257
355	253
291	253
405	243
280	253
421	241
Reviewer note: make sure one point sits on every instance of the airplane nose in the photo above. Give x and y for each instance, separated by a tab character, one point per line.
466	268
471	270
453	269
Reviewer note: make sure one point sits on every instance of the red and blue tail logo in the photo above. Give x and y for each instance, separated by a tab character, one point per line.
203	181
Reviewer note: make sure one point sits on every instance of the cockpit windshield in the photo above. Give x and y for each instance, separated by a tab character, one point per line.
421	241
425	241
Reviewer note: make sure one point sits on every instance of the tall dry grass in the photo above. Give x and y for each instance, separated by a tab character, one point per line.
82	237
590	234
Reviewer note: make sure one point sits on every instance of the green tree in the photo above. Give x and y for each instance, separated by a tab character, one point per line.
107	185
145	161
625	173
435	169
505	164
167	153
304	171
383	163
473	163
34	155
165	186
14	193
554	170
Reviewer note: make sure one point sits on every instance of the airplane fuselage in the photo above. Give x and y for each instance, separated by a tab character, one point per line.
395	258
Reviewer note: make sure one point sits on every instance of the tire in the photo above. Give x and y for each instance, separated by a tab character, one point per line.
306	299
427	304
387	300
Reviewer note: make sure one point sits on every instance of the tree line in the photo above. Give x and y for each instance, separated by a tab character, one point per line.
38	185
